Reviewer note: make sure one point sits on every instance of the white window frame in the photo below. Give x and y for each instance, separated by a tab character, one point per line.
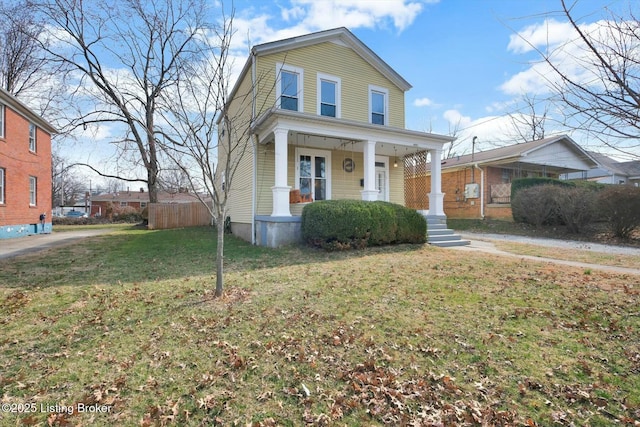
291	69
385	92
2	116
313	153
2	175
33	131
33	191
338	83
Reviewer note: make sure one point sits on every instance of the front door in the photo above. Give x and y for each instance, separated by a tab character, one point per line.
381	181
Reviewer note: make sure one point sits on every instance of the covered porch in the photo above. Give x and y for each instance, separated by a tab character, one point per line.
303	158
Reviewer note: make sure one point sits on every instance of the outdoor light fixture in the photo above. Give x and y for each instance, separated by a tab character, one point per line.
395	158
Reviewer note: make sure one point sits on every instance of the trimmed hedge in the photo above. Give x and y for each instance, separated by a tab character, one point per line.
348	224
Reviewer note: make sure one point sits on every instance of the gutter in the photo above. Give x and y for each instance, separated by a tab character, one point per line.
475	166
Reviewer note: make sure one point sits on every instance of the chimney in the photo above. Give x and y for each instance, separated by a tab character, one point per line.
141	190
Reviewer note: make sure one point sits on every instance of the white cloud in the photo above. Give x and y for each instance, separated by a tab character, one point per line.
538	36
456	119
423	102
321	15
560	43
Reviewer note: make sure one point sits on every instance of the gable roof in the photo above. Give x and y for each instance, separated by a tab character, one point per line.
337	35
16	105
340	35
516	152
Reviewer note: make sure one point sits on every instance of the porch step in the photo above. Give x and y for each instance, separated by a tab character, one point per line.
439	235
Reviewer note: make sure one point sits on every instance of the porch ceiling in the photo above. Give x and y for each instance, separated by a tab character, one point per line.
339	134
519	164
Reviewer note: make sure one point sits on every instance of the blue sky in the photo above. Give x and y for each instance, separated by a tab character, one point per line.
467	60
468	67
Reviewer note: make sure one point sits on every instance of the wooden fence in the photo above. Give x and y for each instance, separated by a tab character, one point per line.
177	215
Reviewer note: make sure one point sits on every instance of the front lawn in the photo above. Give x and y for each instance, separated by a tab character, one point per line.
126	323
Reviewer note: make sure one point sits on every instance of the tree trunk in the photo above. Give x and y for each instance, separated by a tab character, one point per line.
220	257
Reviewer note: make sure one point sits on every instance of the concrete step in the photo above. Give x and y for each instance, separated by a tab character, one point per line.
450	243
443	237
439	231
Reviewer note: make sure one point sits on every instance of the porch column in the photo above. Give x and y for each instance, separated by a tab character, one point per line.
281	189
369	158
436	197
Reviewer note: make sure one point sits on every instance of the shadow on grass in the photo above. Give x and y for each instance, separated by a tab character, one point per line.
134	254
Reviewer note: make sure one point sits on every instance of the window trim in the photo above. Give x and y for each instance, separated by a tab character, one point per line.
2	120
338	83
33	137
280	67
3	174
313	153
385	92
33	191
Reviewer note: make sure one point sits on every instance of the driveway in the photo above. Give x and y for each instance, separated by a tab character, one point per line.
486	243
24	245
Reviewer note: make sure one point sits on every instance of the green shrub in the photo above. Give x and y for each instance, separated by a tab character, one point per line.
620	206
412	227
346	224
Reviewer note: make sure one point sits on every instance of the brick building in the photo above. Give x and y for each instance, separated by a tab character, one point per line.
109	203
25	169
478	185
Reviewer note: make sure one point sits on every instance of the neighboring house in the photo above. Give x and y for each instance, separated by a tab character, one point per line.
479	185
327	122
610	171
101	204
25	169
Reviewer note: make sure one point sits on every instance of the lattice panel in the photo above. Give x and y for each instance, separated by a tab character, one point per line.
416	181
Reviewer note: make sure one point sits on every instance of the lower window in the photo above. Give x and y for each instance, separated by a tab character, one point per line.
313	174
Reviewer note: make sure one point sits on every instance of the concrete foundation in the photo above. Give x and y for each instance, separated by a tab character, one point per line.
276	231
20	230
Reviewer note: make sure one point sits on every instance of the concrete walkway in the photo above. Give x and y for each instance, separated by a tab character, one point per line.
486	243
38	242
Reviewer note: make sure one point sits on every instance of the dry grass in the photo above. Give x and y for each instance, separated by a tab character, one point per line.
411	334
577	255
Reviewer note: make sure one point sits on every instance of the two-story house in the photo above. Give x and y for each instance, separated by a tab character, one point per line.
326	120
25	169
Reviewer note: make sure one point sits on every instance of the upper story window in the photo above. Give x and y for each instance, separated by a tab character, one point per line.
1	121
32	137
289	83
1	186
378	105
328	95
33	186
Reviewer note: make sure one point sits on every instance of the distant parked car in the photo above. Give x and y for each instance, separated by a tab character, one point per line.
76	214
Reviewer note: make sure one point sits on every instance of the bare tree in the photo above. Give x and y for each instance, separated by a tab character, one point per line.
208	143
529	125
67	185
604	98
22	61
121	57
454	131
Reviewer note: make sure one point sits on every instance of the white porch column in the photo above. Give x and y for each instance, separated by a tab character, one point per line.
369	192
281	189
436	197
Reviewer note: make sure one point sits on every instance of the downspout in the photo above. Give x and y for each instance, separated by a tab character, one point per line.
475	166
254	184
254	139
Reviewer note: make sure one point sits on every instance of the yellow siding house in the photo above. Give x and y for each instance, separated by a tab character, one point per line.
326	121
